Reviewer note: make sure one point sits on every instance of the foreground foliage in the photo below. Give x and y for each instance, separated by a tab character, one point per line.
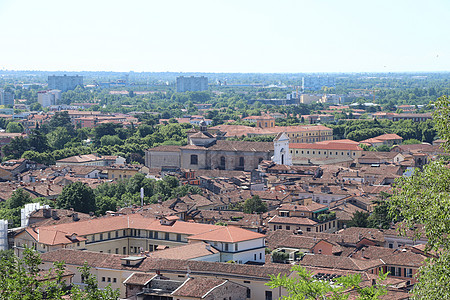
21	278
424	198
304	286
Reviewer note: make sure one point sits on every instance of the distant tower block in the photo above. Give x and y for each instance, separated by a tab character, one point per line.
192	84
3	235
281	153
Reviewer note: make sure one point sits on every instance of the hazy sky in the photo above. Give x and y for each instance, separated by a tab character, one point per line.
225	36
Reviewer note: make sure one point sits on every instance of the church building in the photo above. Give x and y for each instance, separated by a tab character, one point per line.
206	151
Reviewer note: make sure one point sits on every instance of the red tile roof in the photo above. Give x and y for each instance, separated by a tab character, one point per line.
327	146
227	234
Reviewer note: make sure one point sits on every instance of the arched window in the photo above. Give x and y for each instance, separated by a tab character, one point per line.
194	159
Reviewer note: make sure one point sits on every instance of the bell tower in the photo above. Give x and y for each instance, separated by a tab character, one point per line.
281	153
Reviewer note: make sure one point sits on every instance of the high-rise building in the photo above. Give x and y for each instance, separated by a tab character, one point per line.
64	83
48	98
192	84
316	83
6	98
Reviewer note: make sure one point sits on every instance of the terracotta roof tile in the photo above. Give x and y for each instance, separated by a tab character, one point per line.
198	287
227	234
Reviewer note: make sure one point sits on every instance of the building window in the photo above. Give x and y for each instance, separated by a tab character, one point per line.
166	237
241	161
222	161
109	235
408	273
117	234
236	247
308	229
101	236
178	237
103	279
109	279
268	295
114	280
226	247
249	293
117	250
194	159
288	227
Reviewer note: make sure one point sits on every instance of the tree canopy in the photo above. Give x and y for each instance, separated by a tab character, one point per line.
423	201
78	196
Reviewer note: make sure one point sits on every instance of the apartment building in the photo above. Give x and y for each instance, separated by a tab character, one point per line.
64	83
48	98
135	234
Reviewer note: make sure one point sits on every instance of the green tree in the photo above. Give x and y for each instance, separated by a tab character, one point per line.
36	106
105	129
58	138
61	119
411	142
18	199
254	205
383	148
14	127
37	141
424	198
21	278
304	286
359	219
16	147
91	290
112	140
78	196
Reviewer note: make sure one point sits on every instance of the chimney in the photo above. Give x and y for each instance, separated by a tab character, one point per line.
47	212
55	215
75	217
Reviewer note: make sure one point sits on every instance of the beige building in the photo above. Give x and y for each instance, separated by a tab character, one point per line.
114	270
204	151
319	153
136	234
296	134
265	121
307	216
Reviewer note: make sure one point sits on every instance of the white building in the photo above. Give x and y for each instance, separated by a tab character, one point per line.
49	98
281	153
